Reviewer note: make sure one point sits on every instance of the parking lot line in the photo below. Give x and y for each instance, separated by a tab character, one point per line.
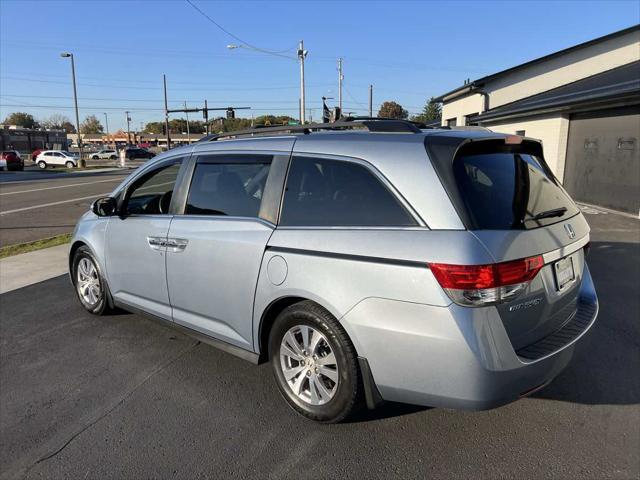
62	186
43	205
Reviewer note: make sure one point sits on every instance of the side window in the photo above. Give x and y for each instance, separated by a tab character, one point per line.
233	189
151	195
335	193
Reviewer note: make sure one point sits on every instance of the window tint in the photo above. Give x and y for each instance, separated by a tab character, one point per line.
333	193
510	191
152	194
233	189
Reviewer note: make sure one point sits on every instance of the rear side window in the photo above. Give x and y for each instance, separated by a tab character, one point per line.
510	191
233	189
322	192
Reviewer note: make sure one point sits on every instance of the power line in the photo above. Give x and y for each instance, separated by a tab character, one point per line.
253	47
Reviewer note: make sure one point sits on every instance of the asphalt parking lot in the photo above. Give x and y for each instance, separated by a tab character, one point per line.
123	397
36	204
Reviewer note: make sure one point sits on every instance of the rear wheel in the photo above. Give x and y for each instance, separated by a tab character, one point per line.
69	165
314	363
113	157
95	157
91	287
42	165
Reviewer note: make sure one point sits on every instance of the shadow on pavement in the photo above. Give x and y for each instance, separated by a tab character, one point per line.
605	367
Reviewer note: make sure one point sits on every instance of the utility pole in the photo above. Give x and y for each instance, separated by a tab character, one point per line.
75	101
187	114
128	129
166	112
205	115
106	122
301	54
340	78
370	101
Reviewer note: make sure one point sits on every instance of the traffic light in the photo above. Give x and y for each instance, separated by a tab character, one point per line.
231	113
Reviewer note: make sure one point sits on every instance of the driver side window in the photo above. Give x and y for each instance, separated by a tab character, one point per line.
151	195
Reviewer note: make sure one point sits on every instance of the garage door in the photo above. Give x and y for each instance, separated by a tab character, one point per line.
603	159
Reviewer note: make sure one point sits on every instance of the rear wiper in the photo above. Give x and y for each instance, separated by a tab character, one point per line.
556	212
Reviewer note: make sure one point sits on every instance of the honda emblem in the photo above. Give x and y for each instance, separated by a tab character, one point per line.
569	230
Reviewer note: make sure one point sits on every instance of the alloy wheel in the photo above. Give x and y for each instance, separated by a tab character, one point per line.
88	282
309	365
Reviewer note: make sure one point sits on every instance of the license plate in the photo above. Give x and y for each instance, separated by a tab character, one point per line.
564	272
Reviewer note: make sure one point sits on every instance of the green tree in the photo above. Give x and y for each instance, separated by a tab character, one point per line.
91	125
154	127
21	119
392	110
431	112
179	125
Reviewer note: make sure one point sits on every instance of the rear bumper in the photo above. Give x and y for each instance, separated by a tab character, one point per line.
453	357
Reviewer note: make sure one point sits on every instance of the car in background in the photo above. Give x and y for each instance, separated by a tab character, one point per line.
11	160
132	153
56	158
35	154
110	154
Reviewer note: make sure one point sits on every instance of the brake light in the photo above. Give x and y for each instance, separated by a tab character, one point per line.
480	285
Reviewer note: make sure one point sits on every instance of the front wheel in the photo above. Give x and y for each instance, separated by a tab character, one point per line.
314	363
113	157
42	165
69	164
91	287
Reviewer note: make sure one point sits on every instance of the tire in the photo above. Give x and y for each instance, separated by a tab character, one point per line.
69	165
86	272
95	157
340	397
42	165
113	157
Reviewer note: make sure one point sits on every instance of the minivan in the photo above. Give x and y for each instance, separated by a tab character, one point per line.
369	260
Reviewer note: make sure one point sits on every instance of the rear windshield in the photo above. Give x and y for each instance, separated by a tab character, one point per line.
510	191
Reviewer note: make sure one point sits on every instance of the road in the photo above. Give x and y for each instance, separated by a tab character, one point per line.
35	205
123	397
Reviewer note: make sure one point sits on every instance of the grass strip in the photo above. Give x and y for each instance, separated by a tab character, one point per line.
19	248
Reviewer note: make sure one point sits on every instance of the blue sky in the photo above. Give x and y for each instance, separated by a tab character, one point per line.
409	51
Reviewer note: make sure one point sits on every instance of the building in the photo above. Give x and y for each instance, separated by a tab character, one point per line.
582	102
26	140
120	139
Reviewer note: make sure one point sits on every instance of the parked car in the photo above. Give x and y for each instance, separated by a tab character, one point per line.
442	267
35	154
56	158
132	153
110	154
11	160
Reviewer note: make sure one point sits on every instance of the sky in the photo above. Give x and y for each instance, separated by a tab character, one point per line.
409	51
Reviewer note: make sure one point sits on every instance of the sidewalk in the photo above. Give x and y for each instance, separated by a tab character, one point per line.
27	268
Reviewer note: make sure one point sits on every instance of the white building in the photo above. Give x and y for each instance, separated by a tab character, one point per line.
582	102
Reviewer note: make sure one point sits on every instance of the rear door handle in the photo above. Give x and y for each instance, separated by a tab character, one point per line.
176	245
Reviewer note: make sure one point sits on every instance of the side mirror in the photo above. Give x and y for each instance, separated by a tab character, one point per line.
104	206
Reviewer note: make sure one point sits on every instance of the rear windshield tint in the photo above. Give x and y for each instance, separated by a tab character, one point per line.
510	191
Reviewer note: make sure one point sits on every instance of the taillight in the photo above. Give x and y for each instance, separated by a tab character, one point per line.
480	285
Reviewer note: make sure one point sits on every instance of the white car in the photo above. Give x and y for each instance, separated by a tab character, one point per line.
110	154
55	158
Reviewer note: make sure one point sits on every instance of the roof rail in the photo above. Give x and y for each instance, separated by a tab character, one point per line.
371	124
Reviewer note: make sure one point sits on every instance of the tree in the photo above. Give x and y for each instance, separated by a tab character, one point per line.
431	112
91	125
154	127
21	119
392	110
59	122
179	125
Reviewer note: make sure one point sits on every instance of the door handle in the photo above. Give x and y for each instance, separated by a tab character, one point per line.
157	243
176	245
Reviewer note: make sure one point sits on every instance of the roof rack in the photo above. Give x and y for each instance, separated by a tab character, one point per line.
371	124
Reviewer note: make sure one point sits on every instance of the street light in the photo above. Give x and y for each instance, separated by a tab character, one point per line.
75	101
301	55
